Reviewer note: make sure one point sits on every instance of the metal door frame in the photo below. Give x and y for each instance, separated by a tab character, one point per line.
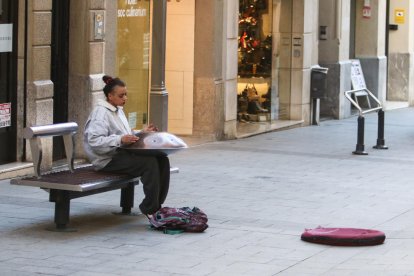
60	68
10	133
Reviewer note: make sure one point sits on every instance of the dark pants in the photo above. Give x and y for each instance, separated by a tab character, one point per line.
154	172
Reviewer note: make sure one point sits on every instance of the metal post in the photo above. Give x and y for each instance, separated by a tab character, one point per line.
315	111
127	198
380	140
159	94
360	148
62	210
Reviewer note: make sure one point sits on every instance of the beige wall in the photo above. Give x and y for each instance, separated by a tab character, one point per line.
335	15
400	40
179	66
401	48
370	34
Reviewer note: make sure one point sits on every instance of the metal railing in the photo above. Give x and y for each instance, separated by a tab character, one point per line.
363	93
360	147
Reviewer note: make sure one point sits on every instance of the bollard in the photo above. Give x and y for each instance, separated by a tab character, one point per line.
360	148
380	140
315	111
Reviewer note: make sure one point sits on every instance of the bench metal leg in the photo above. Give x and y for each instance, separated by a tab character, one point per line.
62	209
127	198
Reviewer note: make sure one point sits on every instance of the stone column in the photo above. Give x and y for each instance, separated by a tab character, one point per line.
230	45
370	46
39	86
208	70
334	22
304	24
159	94
86	63
21	74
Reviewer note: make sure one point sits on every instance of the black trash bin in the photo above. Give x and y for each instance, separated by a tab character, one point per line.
319	85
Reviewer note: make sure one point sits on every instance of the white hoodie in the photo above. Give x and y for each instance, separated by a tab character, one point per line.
103	131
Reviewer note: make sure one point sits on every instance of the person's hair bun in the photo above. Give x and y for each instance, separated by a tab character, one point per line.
111	83
107	79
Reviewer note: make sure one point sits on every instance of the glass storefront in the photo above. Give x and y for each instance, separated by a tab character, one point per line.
264	64
133	57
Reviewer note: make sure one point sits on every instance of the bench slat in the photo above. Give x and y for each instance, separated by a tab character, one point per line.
81	180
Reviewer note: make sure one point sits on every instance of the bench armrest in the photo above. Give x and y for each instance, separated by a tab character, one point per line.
34	133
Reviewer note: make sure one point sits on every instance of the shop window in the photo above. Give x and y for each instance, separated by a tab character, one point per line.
264	64
133	56
254	61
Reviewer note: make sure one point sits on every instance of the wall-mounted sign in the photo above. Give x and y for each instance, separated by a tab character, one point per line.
99	26
132	120
366	9
6	38
297	41
5	115
146	50
399	16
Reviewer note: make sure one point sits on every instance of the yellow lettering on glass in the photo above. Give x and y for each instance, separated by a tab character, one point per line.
133	58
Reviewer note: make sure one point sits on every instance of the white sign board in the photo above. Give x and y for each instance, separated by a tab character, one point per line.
5	115
6	38
132	120
357	76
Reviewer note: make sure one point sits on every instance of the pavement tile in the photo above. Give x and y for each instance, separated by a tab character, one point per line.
10	272
89	273
34	262
247	268
46	270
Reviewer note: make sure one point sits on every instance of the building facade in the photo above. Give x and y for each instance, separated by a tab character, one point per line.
218	69
400	49
248	66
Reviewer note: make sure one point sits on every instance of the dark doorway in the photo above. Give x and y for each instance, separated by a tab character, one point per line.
8	80
60	68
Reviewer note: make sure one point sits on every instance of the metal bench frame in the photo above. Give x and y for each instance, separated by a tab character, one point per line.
61	192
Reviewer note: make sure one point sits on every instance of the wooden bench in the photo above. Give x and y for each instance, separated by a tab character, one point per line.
73	182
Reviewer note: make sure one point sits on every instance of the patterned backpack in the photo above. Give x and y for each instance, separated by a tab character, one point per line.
177	220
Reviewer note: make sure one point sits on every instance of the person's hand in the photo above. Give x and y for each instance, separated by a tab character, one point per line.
129	139
150	128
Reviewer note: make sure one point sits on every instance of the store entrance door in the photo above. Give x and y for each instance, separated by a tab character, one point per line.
8	80
60	69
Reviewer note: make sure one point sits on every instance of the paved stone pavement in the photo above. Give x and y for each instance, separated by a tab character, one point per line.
260	193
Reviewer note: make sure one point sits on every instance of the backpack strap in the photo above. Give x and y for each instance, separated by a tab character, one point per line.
173	231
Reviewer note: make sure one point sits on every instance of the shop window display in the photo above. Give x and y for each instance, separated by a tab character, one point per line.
255	62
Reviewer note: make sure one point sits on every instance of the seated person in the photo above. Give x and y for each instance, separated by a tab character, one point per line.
107	129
